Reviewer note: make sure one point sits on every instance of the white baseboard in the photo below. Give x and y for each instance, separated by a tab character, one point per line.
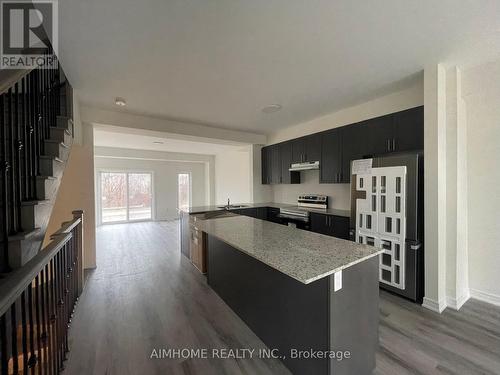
434	305
457	303
494	299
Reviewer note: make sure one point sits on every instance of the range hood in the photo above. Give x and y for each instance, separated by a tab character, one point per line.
304	166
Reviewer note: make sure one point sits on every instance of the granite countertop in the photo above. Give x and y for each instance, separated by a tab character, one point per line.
327	211
302	255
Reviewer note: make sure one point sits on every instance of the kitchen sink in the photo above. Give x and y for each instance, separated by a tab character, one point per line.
232	206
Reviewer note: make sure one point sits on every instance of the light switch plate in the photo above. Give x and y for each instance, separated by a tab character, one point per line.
337	281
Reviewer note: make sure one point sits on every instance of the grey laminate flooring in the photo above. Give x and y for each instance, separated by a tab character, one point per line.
144	296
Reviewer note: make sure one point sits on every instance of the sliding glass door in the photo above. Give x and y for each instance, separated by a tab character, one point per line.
125	197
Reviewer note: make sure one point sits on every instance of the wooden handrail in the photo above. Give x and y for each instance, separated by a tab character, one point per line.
67	227
16	282
37	302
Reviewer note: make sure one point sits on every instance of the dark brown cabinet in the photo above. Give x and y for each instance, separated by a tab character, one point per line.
378	133
306	149
276	161
313	147
287	177
265	165
273	215
298	150
331	157
330	225
336	148
275	155
355	145
397	132
255	212
409	130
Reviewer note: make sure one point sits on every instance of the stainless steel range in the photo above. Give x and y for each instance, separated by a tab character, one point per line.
299	216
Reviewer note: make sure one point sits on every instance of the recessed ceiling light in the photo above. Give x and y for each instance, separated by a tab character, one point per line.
120	102
271	108
158	142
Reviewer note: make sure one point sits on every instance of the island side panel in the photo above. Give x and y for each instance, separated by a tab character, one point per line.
185	234
354	312
284	313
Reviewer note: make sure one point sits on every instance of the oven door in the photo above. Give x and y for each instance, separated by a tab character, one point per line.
295	221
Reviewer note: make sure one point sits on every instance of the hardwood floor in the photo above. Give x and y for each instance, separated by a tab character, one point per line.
144	296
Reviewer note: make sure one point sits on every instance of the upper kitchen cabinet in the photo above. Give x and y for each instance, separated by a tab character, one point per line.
336	148
265	165
298	150
313	147
355	145
397	132
306	149
331	157
275	154
409	130
287	177
379	132
276	160
271	165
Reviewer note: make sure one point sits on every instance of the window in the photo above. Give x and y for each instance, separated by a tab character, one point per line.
125	197
184	190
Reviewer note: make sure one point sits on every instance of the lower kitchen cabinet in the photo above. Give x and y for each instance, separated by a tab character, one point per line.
273	215
255	212
335	226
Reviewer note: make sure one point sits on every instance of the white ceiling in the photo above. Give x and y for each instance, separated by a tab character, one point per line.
220	61
110	138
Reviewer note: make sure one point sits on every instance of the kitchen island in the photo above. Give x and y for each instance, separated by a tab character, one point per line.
312	297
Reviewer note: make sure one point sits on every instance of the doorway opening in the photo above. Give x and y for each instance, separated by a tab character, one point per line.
183	190
125	197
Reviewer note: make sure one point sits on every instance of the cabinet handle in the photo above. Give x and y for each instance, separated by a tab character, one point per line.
393	144
388	144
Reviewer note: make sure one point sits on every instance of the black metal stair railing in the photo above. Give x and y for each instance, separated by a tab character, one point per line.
37	303
28	110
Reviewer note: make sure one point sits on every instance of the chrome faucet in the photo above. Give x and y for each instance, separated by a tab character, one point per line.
228	203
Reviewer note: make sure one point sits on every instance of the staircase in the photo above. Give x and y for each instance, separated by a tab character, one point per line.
36	135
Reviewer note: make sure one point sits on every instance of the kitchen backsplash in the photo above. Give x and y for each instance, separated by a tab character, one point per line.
339	195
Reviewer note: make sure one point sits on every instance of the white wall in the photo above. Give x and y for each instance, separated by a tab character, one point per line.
481	92
435	205
144	124
339	194
457	280
234	176
76	191
164	176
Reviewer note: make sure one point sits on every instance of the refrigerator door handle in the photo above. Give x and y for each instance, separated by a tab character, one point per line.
415	246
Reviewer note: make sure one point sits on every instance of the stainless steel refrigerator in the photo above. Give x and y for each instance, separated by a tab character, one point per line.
387	211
